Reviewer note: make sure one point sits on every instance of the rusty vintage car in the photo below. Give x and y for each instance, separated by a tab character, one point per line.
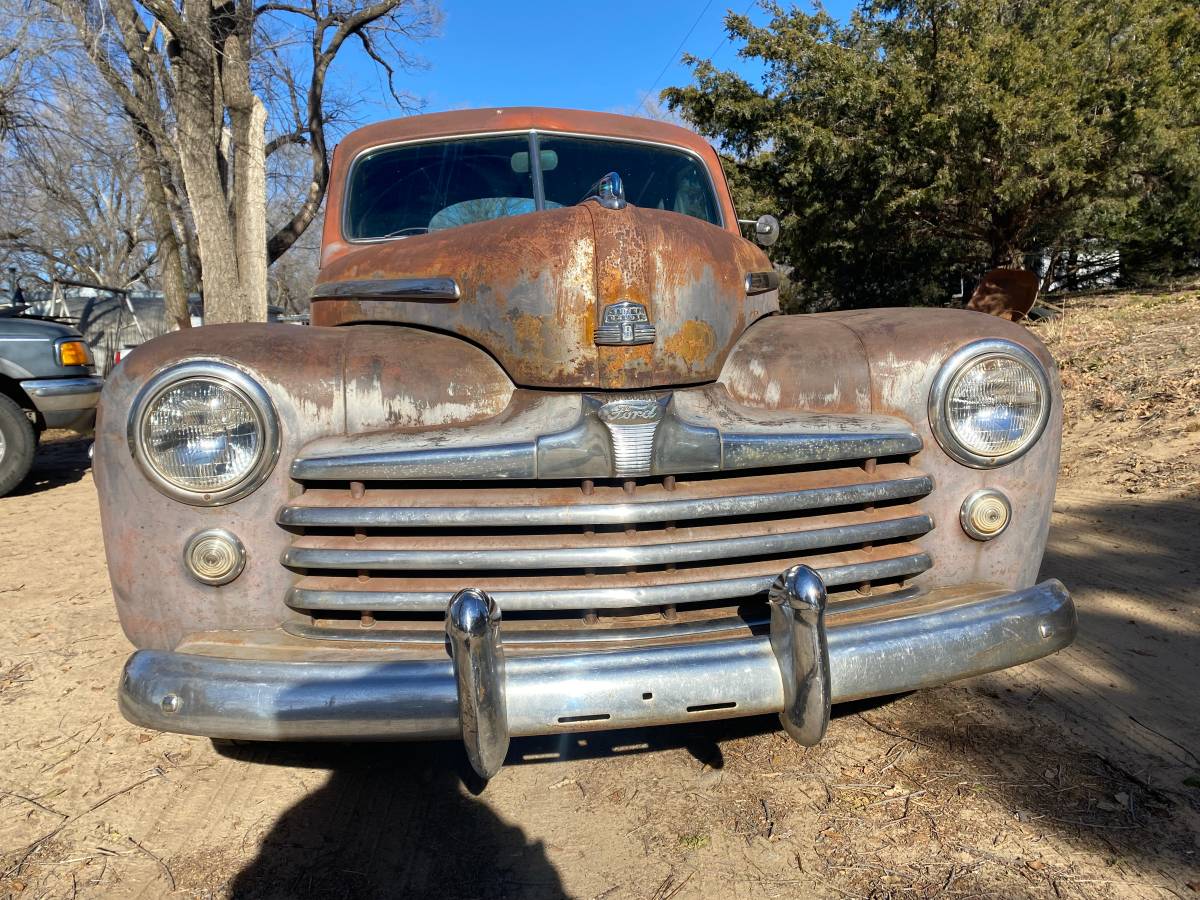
547	383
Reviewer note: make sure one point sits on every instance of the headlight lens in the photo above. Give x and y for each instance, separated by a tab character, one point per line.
202	435
990	403
204	432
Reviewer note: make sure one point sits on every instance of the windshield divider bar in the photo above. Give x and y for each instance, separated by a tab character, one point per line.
535	168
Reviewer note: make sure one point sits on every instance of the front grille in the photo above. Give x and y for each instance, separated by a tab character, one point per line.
676	557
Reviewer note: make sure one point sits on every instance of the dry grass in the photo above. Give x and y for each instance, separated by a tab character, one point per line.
1131	386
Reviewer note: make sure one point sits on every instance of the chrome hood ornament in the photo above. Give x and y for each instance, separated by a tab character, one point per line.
624	324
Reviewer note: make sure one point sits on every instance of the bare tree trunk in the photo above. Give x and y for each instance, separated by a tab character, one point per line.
205	126
170	262
248	121
250	177
228	202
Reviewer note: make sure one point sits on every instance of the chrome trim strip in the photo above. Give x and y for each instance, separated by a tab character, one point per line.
757	451
605	557
420	289
602	513
702	430
898	647
601	598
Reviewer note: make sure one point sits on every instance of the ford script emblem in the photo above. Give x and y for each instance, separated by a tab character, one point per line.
625	323
631	412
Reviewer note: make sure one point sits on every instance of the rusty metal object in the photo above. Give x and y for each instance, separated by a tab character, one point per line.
534	288
513	120
1006	293
321	381
448	433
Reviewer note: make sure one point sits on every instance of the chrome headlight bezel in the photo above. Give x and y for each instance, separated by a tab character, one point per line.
230	378
947	376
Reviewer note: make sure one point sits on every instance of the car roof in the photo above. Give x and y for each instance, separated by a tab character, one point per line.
520	118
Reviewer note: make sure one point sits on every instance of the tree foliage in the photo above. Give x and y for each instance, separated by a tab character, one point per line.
924	139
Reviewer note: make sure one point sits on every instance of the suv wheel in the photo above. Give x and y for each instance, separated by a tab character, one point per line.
17	445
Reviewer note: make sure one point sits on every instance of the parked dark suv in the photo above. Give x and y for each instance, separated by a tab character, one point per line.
47	380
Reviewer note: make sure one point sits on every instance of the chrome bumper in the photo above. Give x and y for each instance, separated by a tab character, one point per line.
871	649
66	402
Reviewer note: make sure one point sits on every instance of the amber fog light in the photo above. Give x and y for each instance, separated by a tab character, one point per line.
985	514
214	556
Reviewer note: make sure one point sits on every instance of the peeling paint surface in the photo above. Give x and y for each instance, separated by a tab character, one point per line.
534	287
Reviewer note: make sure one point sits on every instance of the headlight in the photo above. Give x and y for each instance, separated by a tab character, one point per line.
204	432
989	403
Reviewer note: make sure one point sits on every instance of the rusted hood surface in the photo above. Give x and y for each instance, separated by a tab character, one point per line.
533	288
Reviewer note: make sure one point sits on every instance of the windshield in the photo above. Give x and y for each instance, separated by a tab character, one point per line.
418	188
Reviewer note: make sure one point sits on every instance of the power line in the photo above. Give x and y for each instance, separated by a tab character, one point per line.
745	12
674	56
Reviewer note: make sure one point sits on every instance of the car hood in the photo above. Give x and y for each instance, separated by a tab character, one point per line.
533	289
23	327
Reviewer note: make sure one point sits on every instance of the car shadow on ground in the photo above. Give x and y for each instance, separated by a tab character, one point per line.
59	461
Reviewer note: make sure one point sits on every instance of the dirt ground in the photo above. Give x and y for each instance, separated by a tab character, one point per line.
1073	777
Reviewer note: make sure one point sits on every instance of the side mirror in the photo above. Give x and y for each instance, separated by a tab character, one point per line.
766	229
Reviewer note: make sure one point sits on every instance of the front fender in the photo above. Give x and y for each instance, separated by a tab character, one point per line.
321	381
884	361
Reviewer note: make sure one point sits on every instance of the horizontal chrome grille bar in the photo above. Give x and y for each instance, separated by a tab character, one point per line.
603	513
515	636
324	557
601	598
548	436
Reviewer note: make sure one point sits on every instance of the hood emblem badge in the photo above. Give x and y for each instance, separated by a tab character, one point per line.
624	324
632	423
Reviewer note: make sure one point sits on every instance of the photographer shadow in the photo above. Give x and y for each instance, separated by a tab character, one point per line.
393	820
407	820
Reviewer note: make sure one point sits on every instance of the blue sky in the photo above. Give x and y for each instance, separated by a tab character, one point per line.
585	55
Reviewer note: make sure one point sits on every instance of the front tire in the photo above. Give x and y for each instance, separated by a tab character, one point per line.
18	443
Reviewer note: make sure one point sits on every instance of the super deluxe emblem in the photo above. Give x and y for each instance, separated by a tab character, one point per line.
624	324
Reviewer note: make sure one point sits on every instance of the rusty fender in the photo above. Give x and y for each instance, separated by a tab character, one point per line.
885	361
321	381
